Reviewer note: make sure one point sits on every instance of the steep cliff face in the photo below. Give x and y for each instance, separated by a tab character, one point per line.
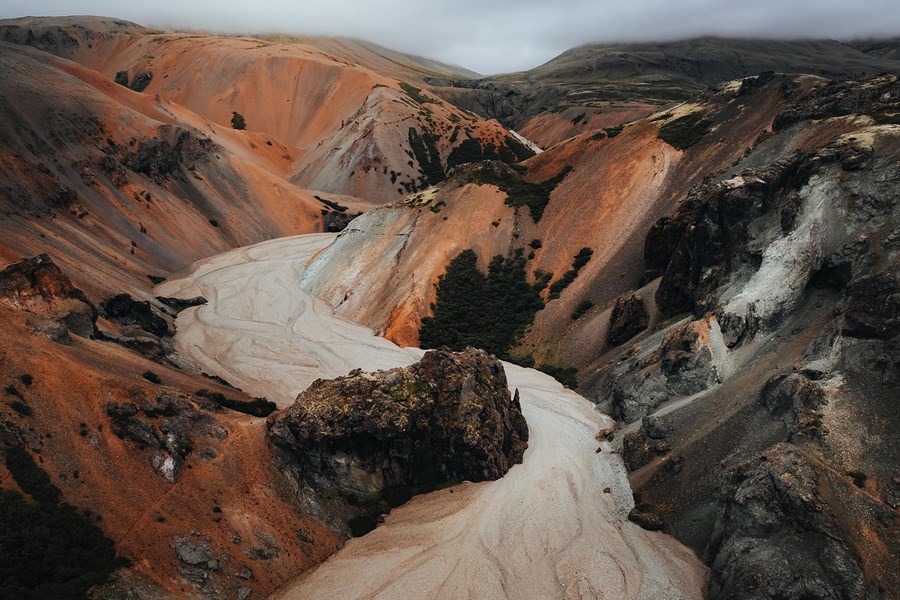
770	449
366	442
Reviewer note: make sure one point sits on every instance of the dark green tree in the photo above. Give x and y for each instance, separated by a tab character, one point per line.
489	312
237	120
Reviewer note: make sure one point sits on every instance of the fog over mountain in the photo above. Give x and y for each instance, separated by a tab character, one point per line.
500	36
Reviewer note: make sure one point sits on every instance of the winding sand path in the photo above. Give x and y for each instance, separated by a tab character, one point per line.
545	530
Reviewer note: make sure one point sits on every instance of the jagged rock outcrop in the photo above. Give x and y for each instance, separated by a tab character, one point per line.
368	440
169	426
876	96
628	318
163	157
642	446
784	271
125	310
55	306
676	362
334	221
775	537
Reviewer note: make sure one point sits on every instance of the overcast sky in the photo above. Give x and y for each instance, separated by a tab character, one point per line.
494	36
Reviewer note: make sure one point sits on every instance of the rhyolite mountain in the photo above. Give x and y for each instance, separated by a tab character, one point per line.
716	252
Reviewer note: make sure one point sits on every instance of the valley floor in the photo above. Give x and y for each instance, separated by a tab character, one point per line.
554	527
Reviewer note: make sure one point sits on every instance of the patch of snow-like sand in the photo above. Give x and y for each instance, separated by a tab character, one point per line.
545	530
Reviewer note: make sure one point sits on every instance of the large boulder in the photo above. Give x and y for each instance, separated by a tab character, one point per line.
628	318
367	441
776	536
125	310
37	286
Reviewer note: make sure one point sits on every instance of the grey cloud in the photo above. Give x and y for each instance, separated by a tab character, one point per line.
500	35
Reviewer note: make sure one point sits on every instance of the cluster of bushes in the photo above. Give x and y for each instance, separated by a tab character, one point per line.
583	307
331	203
258	407
489	311
519	191
564	375
471	150
49	549
684	132
581	259
425	152
415	93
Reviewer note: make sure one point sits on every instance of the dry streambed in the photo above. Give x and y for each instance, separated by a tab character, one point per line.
554	527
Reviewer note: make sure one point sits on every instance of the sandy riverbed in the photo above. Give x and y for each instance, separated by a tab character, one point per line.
548	529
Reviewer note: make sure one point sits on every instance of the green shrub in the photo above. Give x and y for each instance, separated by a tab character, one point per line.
519	191
425	152
581	259
237	121
415	93
331	203
578	119
49	549
684	132
859	478
541	280
258	407
21	407
614	131
564	375
536	244
151	377
26	379
583	307
483	311
12	390
468	151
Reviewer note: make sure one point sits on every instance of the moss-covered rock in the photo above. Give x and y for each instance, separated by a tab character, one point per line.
366	442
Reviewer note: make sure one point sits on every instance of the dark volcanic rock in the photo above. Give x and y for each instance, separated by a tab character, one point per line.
686	359
628	318
794	399
775	538
125	310
875	96
173	306
169	427
873	306
336	221
366	441
38	286
641	447
163	157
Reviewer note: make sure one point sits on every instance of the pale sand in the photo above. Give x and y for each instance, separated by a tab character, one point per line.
545	530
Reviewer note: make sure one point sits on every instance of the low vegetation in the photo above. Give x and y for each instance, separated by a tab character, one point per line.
50	549
416	94
425	152
237	121
331	204
581	259
581	309
258	407
684	132
489	311
564	375
519	191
